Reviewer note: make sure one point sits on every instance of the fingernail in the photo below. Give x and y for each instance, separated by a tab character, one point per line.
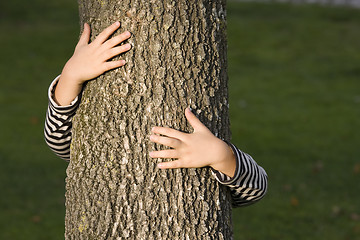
128	46
117	23
122	62
160	165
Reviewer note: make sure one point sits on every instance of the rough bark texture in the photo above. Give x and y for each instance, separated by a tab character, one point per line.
113	188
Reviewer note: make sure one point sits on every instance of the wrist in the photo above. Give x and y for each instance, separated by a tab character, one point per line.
70	79
227	164
66	90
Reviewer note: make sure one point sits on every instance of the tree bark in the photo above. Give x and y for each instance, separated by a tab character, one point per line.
113	188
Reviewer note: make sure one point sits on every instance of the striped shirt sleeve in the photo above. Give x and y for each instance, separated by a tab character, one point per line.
57	130
249	184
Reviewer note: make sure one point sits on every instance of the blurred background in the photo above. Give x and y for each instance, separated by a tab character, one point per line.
294	77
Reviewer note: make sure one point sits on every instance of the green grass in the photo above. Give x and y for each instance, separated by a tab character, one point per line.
36	39
295	107
294	99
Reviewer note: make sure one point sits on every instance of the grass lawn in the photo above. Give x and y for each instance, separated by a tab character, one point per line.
295	100
295	107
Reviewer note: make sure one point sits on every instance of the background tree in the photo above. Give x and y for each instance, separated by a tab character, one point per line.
113	188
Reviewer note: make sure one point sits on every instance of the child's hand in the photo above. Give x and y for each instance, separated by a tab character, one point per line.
198	149
90	61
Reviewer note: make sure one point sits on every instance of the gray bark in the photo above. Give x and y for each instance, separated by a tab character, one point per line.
113	188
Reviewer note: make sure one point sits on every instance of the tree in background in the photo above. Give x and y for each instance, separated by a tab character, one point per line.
114	189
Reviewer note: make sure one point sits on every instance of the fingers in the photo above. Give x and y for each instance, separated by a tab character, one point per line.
104	35
117	51
108	65
85	36
167	141
172	164
169	153
168	132
193	120
117	39
113	64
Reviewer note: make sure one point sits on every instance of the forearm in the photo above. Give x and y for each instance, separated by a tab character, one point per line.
249	183
58	123
66	90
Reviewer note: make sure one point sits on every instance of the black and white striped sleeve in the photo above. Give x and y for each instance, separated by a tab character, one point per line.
58	124
249	184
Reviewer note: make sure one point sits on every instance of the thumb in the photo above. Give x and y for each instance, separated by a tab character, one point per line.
85	36
193	120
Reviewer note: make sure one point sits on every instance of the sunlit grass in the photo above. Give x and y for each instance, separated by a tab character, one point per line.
294	76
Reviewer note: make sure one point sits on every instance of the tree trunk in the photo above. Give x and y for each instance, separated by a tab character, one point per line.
113	188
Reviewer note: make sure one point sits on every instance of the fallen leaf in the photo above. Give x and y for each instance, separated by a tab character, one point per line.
287	187
336	211
356	228
294	201
357	168
318	167
36	219
34	120
355	217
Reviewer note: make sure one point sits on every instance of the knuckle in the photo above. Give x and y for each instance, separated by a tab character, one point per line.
185	137
153	137
123	36
171	141
174	142
110	29
177	164
108	66
111	53
154	154
126	34
119	38
126	47
161	154
166	131
173	164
